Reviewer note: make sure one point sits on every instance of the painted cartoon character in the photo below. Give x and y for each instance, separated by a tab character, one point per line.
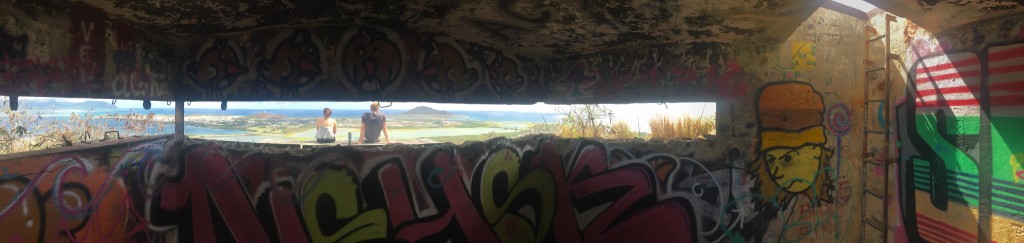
792	157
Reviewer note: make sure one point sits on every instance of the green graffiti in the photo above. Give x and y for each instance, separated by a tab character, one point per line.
501	179
331	209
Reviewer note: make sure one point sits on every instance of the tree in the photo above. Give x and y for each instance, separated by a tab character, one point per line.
33	129
583	121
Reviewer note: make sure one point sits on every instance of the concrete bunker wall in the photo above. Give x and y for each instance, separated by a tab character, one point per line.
532	189
802	95
79	52
960	169
957	139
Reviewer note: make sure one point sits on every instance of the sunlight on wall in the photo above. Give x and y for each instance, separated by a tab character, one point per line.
858	4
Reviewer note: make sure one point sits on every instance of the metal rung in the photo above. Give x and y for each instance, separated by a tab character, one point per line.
875	132
873	163
876	38
869	192
874	224
878	100
875	70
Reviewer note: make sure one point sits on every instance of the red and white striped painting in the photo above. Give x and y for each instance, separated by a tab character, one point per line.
1006	80
951	82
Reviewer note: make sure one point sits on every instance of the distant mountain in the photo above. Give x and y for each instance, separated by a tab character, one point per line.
60	105
267	116
426	111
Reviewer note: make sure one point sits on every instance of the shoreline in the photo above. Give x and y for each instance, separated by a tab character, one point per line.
398	135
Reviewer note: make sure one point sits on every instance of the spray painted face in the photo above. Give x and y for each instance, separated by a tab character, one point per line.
794	169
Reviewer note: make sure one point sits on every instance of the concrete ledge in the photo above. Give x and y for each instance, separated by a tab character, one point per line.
299	145
83	147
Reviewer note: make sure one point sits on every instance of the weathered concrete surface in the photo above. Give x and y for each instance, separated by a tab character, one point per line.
78	51
941	15
801	91
745	184
959	127
539	29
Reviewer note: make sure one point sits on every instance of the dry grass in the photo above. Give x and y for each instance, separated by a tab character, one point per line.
621	130
665	127
27	130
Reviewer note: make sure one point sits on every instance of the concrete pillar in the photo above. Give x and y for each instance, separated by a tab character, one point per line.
179	118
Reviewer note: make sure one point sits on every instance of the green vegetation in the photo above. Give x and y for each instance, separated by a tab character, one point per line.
25	130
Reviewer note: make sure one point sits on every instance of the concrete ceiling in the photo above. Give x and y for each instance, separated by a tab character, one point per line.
939	15
537	28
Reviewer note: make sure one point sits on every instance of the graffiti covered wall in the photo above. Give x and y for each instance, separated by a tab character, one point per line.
354	63
804	176
537	189
81	196
781	168
88	54
960	134
81	53
377	63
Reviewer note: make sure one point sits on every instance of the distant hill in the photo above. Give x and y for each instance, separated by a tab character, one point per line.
267	116
59	105
426	111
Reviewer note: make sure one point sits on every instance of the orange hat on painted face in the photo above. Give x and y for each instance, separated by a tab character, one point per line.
790	115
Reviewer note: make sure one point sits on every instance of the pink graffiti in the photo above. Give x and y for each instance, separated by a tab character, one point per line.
590	179
209	177
212	193
1020	174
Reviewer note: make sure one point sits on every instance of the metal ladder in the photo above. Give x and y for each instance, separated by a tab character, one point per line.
869	158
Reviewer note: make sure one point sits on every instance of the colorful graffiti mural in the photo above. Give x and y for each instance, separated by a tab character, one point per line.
541	189
510	194
67	197
958	135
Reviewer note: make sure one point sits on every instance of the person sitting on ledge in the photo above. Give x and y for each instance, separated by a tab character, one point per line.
326	128
374	122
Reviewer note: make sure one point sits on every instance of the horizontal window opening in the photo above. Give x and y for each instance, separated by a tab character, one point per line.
423	123
41	123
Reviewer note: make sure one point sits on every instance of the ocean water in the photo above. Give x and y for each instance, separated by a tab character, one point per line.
64	114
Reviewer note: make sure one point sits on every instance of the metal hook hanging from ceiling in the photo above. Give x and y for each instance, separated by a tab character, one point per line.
14	103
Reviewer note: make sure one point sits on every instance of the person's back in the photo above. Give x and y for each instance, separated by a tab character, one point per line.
326	127
374	123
